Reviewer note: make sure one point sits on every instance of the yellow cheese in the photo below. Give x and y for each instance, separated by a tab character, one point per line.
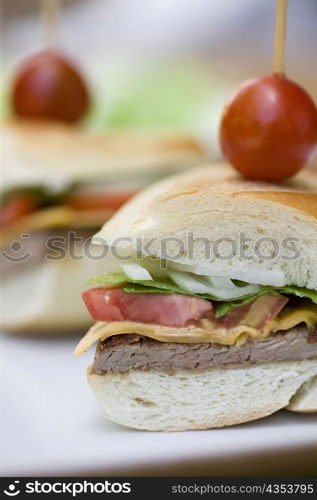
51	217
205	333
40	219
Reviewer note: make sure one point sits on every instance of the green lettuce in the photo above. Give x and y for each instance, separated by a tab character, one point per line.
42	195
166	285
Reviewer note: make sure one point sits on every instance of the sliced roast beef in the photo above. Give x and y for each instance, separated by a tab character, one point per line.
124	352
313	334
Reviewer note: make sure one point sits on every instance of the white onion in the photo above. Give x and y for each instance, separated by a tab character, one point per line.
189	283
272	277
221	282
211	285
259	276
136	272
227	284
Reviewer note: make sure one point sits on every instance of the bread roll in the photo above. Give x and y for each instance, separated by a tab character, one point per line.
214	203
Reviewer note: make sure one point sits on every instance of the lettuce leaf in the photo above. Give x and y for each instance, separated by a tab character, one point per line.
42	195
299	292
221	306
165	285
159	97
108	280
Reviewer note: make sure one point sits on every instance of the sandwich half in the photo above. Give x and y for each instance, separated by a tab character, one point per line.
210	319
58	185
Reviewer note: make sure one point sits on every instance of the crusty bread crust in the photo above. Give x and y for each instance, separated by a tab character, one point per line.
214	203
299	193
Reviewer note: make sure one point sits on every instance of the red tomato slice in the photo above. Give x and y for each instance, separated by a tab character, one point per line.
99	201
15	208
160	309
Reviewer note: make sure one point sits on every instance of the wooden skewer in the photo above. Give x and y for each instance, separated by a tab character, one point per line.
280	34
50	10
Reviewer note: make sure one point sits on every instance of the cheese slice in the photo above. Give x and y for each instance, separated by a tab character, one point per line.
205	333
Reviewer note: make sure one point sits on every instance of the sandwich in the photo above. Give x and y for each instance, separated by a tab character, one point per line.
58	186
210	316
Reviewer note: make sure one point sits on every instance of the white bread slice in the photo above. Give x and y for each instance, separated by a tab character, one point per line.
189	400
216	204
305	399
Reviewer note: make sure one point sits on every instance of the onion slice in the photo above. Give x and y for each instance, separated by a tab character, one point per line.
218	287
272	277
136	272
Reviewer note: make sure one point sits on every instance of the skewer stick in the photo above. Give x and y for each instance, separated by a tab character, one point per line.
280	34
50	10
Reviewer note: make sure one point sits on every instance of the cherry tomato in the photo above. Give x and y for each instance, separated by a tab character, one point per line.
99	201
47	86
269	128
15	208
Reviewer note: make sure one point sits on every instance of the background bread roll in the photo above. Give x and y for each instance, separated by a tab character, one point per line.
54	154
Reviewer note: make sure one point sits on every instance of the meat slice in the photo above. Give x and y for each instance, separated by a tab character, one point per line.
160	309
125	352
313	334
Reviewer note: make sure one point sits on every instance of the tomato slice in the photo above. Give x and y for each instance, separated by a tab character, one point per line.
99	201
23	204
15	208
161	309
102	305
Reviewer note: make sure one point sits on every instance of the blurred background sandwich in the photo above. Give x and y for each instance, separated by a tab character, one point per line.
58	185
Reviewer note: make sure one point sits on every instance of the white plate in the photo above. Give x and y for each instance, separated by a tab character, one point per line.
52	425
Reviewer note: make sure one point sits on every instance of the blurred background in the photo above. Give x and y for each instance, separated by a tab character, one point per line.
169	62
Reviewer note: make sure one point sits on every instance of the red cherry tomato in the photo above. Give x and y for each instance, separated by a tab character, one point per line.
48	87
16	208
269	128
